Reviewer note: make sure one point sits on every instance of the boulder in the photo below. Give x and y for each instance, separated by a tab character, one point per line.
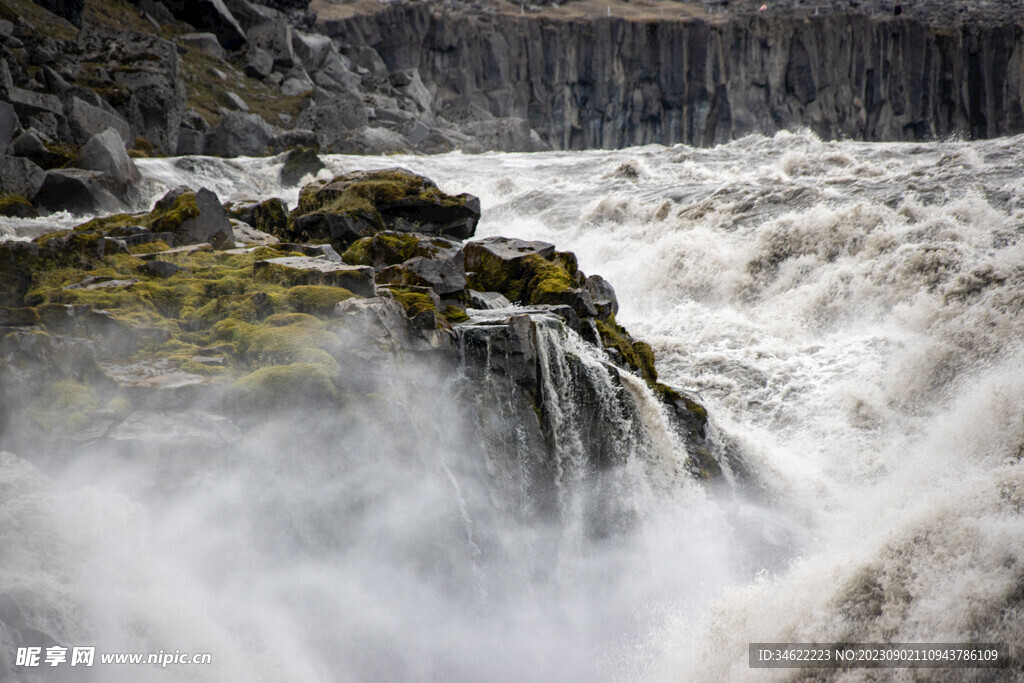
269	215
31	146
603	295
371	140
444	276
311	48
240	134
76	191
391	199
274	37
294	138
19	176
66	9
297	85
27	103
212	16
258	64
190	142
334	74
408	82
333	119
367	58
310	270
106	152
298	163
194	218
87	120
9	124
206	43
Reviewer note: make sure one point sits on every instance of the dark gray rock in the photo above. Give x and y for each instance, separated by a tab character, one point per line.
27	103
9	125
298	164
487	301
212	225
603	295
190	142
19	176
240	134
67	9
443	274
296	137
76	191
212	16
371	140
159	268
311	49
30	145
206	43
269	215
106	152
87	120
504	249
333	119
367	58
274	37
311	270
258	64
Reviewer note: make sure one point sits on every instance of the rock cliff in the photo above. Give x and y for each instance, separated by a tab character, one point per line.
614	81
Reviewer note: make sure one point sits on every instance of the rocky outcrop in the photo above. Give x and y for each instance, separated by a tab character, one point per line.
184	317
612	82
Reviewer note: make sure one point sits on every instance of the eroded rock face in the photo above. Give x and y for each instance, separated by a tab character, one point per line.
610	82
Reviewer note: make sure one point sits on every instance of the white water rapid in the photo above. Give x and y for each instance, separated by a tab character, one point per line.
852	316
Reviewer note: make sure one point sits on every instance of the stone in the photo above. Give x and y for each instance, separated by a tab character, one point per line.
206	43
295	138
211	226
240	134
334	70
504	249
444	276
212	16
76	191
311	48
334	119
309	270
66	9
487	301
30	145
293	86
27	103
603	295
269	215
87	120
236	102
408	82
299	163
106	152
190	142
159	268
247	235
258	64
367	58
371	140
275	37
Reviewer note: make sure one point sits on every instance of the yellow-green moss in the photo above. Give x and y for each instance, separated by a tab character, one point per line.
149	247
531	279
282	386
316	299
17	206
638	355
359	253
454	314
413	302
65	404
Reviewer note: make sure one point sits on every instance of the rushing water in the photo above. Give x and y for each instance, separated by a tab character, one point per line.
853	317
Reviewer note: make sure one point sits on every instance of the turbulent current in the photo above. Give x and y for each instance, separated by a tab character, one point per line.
852	316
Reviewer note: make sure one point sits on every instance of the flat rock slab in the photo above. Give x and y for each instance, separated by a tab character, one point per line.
156	373
508	249
192	425
310	270
188	249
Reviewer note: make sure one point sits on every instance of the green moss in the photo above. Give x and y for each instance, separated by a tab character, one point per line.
359	253
414	302
16	206
454	314
531	279
149	247
638	355
315	299
66	405
283	386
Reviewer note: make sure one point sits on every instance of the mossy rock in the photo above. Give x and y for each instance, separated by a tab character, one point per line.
270	215
316	299
298	163
16	206
383	249
636	354
389	199
280	387
528	273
